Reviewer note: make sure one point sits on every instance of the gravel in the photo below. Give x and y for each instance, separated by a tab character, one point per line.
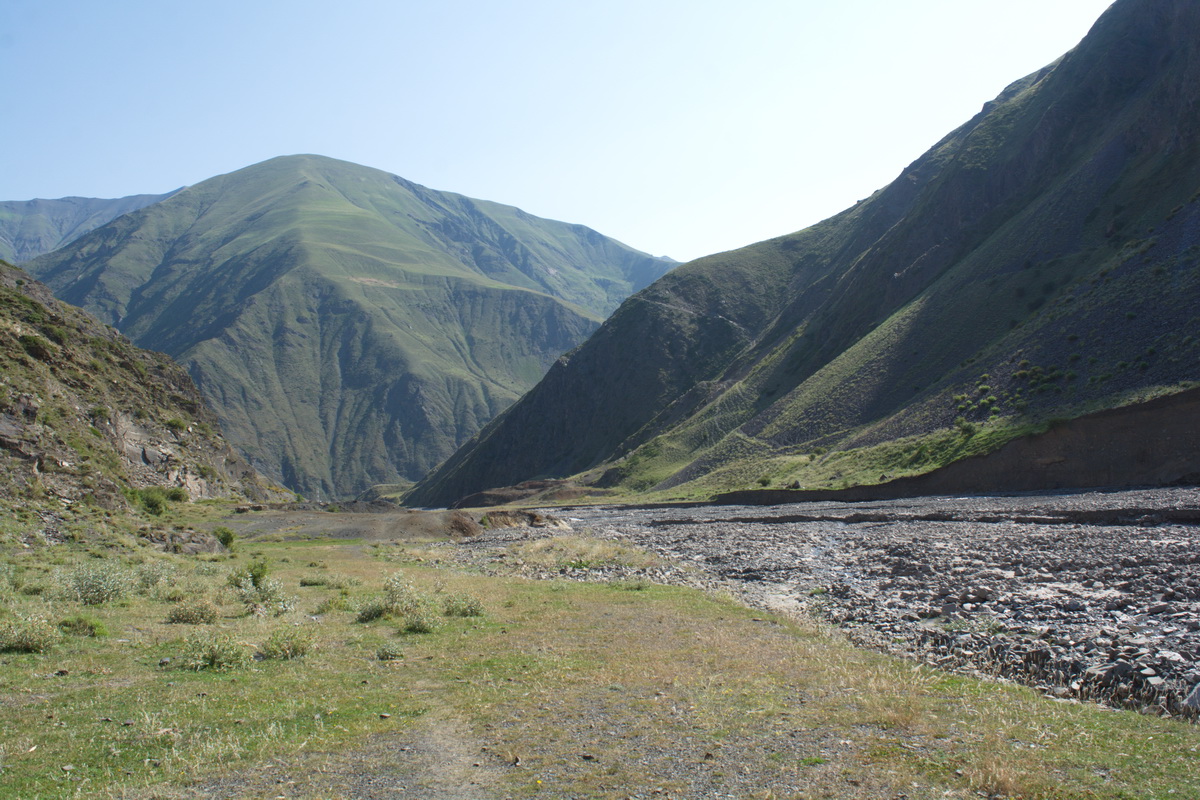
1089	595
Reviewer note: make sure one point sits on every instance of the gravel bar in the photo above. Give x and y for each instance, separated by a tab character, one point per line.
1088	595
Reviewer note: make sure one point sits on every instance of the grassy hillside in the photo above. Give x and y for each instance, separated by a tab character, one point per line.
1039	262
88	419
349	327
30	228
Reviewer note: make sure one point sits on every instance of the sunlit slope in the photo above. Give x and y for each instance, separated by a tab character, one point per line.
348	326
1038	262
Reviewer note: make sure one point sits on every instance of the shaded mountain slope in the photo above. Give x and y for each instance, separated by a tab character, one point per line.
85	415
30	228
1039	261
349	327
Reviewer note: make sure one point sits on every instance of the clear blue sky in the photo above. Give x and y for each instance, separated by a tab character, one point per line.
681	127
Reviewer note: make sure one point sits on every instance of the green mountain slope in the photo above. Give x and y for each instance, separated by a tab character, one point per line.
349	327
1039	262
85	416
30	228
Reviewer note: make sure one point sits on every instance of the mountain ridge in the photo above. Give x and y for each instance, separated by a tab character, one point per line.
30	228
1036	221
350	327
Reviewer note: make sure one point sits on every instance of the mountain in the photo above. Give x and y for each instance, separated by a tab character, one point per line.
30	228
85	416
1039	262
349	327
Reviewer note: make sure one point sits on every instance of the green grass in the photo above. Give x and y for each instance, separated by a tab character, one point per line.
664	688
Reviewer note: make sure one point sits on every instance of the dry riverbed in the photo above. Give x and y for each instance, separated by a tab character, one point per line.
1087	595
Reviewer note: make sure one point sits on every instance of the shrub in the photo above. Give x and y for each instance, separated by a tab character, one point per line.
226	537
261	595
416	612
288	644
94	583
149	576
418	617
338	602
213	651
176	424
28	634
36	346
389	652
462	605
333	580
253	574
371	610
197	611
83	625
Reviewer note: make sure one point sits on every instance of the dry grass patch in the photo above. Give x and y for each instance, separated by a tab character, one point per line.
581	552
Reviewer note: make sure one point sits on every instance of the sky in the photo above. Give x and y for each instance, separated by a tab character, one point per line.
680	127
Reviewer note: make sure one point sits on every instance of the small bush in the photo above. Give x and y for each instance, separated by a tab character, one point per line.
261	595
83	625
94	583
416	612
253	574
419	618
176	424
389	652
28	634
266	599
148	577
333	580
462	605
371	610
287	644
197	611
338	602
213	651
226	537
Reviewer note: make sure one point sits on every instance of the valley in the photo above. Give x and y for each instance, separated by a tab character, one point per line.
682	652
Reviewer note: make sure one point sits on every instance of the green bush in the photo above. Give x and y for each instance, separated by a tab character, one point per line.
261	595
94	583
462	605
389	652
148	577
287	644
332	580
36	346
226	537
416	612
28	634
83	625
213	651
372	610
196	611
253	574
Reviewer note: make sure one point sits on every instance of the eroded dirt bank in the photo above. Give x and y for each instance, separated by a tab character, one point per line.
1090	595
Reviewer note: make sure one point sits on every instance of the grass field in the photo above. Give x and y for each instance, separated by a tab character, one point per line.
557	688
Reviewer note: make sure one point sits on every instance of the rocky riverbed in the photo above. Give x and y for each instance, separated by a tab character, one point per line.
1088	595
